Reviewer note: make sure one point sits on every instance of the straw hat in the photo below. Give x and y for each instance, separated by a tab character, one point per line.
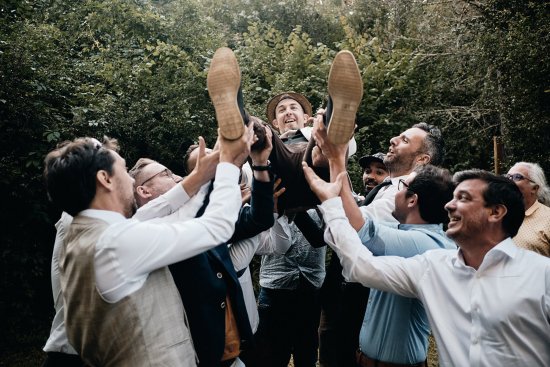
273	102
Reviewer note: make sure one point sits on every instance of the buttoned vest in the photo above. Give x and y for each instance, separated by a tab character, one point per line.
146	328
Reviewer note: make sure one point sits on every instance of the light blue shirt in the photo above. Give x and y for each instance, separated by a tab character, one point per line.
395	328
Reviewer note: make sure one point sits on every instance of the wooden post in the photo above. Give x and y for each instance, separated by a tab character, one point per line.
498	150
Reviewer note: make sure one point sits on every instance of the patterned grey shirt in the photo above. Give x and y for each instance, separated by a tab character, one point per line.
283	271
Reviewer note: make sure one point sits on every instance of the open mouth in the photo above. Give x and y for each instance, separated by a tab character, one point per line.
290	121
453	220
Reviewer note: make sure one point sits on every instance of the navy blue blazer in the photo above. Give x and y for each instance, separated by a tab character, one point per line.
205	280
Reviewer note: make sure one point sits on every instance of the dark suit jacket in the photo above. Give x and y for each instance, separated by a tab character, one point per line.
205	280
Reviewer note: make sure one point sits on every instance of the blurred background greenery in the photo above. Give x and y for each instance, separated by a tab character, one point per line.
136	71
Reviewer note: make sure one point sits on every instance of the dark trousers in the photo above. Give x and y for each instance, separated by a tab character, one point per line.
289	322
56	359
343	309
286	163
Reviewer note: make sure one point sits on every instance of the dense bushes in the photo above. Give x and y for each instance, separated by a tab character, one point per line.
136	70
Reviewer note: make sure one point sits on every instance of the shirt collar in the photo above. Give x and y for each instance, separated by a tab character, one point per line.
533	208
395	180
506	248
105	215
429	226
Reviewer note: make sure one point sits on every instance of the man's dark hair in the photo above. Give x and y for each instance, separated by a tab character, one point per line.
500	191
433	144
190	150
70	173
434	187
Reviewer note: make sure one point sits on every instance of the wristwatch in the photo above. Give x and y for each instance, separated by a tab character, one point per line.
261	168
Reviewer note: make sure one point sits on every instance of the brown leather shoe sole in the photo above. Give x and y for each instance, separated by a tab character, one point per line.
345	87
223	82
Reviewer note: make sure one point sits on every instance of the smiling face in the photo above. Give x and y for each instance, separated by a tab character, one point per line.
405	152
374	174
289	115
468	213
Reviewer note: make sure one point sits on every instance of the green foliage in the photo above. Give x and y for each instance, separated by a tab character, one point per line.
136	70
271	64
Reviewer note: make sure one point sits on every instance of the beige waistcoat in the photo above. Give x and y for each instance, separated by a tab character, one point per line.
146	328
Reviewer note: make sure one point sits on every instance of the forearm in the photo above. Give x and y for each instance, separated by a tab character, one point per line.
257	217
164	205
387	273
311	231
354	215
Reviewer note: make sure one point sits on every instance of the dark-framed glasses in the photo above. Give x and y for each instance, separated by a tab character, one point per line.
401	184
516	177
165	172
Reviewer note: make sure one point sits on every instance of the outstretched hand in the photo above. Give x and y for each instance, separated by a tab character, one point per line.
236	151
205	167
329	150
259	158
324	190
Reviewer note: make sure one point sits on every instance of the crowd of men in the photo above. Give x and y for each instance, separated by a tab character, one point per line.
152	269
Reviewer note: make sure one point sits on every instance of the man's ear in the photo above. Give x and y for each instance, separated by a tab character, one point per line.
143	192
274	124
412	200
104	180
423	159
498	212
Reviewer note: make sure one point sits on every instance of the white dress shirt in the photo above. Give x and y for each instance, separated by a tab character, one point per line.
383	205
276	240
498	315
57	341
129	250
173	205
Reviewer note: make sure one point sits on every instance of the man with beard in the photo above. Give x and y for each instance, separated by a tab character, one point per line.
344	303
374	170
488	302
122	307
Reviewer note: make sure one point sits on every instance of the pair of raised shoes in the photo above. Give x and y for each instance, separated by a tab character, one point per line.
345	89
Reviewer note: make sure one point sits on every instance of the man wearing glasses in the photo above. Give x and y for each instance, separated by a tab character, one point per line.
208	282
419	145
534	233
121	304
488	302
395	329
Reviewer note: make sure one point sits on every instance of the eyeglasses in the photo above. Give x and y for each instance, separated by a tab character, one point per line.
165	172
516	177
402	184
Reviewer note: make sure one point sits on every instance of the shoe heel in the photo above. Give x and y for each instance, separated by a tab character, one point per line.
345	88
223	83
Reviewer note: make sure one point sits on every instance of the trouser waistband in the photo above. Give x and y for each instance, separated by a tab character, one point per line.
364	361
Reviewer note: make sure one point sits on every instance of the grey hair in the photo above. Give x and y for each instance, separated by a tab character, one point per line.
536	174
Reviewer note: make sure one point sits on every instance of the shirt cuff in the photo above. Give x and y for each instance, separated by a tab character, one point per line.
333	209
176	196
